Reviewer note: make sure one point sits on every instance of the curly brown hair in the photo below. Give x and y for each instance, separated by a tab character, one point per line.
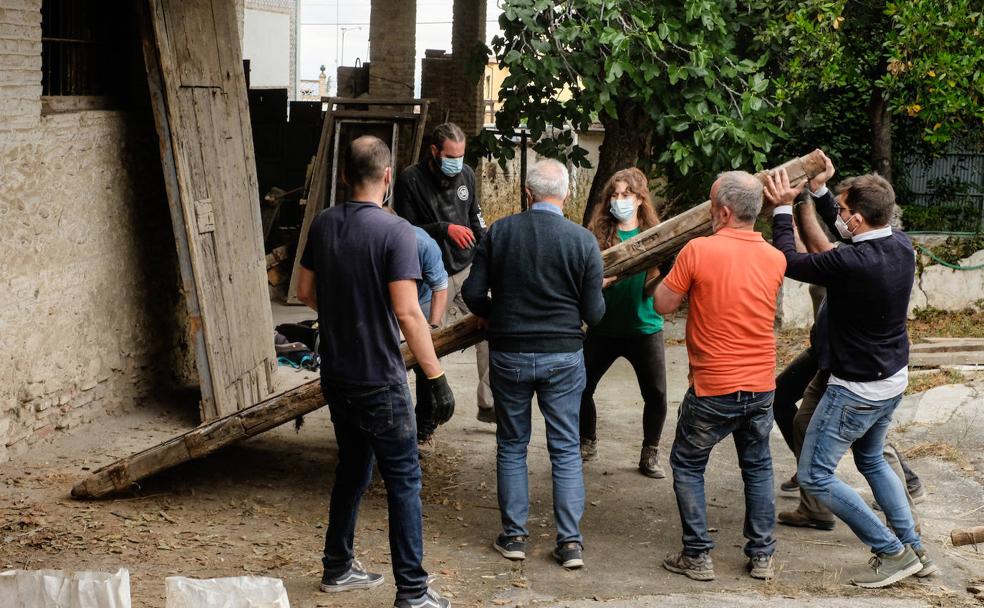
603	224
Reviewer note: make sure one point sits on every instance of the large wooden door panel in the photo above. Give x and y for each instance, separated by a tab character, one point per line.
194	60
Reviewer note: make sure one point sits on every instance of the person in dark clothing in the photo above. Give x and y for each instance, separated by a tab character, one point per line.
545	277
866	352
432	293
803	379
631	327
439	195
360	271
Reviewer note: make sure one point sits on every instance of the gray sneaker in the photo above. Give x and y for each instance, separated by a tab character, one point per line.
569	555
698	567
760	567
511	547
929	568
589	449
430	599
353	578
649	462
883	570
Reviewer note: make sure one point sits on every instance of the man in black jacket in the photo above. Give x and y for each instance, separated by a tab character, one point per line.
439	195
868	287
545	275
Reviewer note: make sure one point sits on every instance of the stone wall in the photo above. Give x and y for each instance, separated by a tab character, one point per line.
88	299
392	48
935	286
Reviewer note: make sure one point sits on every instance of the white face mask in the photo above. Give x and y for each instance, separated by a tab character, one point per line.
842	228
622	208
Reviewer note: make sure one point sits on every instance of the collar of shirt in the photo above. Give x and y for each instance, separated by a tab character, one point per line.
541	206
877	233
735	233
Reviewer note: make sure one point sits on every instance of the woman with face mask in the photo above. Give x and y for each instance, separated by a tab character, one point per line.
631	327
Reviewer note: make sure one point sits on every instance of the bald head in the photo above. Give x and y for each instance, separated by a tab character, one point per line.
739	191
548	180
366	161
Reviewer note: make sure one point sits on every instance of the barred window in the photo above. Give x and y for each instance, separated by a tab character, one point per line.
76	43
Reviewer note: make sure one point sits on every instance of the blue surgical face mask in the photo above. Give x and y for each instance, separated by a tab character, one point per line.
622	208
452	166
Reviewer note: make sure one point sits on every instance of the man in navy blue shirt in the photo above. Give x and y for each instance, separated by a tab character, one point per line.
360	272
867	351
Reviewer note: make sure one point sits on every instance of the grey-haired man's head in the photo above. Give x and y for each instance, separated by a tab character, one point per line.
736	200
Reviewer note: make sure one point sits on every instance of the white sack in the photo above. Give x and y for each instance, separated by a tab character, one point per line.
58	589
235	592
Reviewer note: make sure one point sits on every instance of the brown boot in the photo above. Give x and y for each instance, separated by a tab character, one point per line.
798	519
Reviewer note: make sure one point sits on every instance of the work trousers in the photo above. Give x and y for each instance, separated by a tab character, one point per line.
647	355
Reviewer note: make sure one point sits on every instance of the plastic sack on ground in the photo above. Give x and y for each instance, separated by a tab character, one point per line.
235	592
58	589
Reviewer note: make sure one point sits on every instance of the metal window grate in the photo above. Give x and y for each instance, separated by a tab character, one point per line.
74	41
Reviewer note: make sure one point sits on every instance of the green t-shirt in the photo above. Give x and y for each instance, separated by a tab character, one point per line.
627	311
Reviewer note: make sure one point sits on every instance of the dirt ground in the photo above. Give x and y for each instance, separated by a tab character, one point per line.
260	507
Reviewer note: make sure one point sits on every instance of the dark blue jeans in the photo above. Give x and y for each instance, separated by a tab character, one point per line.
377	424
702	423
557	380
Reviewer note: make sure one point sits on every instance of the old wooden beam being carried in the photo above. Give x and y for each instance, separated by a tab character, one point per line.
650	248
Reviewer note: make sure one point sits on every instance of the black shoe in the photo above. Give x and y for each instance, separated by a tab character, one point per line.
791	485
486	414
511	547
353	578
430	599
797	519
569	555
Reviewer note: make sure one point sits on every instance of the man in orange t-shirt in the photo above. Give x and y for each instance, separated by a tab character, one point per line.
732	279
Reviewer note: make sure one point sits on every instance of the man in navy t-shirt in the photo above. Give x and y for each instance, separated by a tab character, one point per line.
360	271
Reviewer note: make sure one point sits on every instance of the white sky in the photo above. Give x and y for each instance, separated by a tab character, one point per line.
324	24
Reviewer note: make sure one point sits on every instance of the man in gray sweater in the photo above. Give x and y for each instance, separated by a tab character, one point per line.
544	273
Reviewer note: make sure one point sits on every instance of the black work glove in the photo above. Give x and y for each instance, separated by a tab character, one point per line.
443	399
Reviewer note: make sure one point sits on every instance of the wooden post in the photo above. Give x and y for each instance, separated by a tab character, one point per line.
649	248
970	536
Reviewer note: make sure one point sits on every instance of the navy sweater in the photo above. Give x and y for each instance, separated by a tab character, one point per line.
868	287
544	272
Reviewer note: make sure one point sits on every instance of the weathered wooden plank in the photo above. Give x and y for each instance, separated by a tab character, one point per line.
196	333
314	201
204	118
306	398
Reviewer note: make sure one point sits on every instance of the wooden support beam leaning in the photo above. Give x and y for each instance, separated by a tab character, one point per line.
650	248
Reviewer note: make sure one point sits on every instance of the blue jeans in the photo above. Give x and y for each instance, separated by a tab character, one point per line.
844	420
376	423
702	423
557	379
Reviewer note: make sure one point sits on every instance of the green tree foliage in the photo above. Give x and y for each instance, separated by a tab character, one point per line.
918	64
675	85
